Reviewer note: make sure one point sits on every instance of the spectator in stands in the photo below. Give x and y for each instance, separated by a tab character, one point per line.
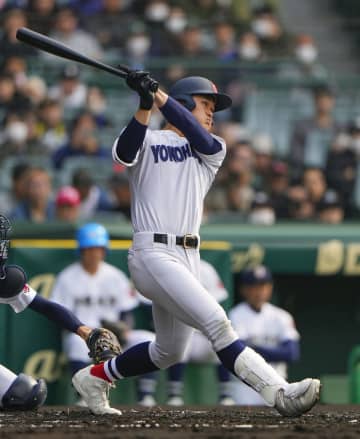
313	135
264	148
96	104
50	127
41	15
277	188
67	204
70	91
110	24
177	20
249	48
225	47
330	209
341	166
268	329
67	31
275	42
35	89
93	198
120	195
85	8
18	188
315	185
37	206
13	20
305	62
191	42
16	67
299	205
262	211
10	98
83	141
137	46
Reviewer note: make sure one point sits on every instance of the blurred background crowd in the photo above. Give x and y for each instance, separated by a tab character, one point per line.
293	133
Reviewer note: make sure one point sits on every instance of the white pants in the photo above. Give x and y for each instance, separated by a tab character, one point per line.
168	275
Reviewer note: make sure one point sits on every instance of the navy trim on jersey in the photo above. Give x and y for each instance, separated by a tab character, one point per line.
56	313
130	141
183	120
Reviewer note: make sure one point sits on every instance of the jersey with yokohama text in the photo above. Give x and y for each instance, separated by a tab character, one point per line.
168	183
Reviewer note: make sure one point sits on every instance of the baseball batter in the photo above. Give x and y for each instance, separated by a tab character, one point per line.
170	172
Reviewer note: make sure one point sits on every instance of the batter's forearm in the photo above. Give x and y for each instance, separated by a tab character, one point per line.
130	140
184	121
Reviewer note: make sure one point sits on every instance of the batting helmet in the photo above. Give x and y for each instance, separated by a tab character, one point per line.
185	88
92	235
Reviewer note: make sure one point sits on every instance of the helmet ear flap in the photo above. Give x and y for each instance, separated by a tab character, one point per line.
187	101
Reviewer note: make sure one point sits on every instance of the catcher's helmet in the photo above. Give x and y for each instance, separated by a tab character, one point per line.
13	281
92	235
185	88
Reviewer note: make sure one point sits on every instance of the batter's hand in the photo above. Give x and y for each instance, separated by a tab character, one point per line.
144	85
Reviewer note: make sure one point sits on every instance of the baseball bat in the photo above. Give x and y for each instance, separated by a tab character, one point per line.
54	47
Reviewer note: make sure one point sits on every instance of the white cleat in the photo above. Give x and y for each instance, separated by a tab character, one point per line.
94	391
298	398
226	401
175	401
147	401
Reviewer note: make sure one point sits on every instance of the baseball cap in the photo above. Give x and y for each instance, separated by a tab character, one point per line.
67	196
256	275
70	71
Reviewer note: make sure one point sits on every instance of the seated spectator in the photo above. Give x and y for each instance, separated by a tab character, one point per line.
35	89
120	195
266	328
262	211
67	31
277	188
249	49
305	63
191	43
12	21
50	127
41	15
137	46
67	204
225	48
10	98
263	147
16	67
93	198
330	209
18	189
84	141
110	24
37	206
275	41
341	166
313	136
97	106
315	185
299	206
70	91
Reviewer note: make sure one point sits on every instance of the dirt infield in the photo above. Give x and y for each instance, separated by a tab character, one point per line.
188	422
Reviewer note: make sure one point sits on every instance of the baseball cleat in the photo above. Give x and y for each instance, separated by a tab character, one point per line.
94	391
298	398
175	401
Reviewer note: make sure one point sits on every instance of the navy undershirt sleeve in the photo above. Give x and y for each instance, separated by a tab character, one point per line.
183	120
288	351
56	313
130	141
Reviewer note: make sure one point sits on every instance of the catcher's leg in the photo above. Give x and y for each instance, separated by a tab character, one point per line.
20	392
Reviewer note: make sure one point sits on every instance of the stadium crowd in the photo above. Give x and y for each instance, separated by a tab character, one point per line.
57	129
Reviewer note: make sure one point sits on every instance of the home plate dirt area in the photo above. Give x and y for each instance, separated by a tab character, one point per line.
324	421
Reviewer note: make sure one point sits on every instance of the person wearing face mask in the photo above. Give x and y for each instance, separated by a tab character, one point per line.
275	41
137	45
304	62
262	212
249	47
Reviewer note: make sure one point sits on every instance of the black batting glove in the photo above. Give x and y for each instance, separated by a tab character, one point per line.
142	83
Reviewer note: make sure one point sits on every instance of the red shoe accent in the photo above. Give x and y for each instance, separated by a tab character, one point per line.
98	371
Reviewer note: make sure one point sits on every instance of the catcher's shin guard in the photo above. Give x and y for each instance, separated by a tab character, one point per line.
25	393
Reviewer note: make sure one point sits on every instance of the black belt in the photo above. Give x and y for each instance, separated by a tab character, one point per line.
186	241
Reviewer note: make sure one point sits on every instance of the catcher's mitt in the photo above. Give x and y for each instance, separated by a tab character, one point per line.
103	345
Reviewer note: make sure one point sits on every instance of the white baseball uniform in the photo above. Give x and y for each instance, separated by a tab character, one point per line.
267	328
103	295
168	183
